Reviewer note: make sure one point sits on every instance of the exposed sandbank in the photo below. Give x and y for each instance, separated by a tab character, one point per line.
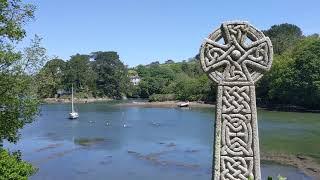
306	164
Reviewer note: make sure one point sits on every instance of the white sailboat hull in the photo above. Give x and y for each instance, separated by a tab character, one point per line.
73	115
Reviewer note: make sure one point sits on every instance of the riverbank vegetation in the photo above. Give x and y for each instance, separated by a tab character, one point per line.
100	74
294	80
24	79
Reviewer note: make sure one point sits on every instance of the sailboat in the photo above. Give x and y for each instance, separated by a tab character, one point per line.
73	114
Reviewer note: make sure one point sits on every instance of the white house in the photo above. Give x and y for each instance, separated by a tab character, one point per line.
135	79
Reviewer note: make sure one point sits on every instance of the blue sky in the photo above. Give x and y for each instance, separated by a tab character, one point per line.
142	31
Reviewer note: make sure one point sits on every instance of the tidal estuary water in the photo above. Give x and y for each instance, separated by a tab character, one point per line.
111	142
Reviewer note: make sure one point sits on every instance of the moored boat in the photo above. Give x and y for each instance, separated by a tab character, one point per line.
73	114
184	104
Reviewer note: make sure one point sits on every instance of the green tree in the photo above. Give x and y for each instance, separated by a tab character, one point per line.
275	87
194	89
155	78
186	88
162	72
283	36
18	104
132	72
176	67
185	67
51	78
143	71
144	89
18	100
184	79
112	75
80	73
133	91
295	76
12	167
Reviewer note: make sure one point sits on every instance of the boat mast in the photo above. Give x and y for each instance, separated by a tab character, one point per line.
72	98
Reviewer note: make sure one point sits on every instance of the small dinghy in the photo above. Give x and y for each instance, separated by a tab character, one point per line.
184	104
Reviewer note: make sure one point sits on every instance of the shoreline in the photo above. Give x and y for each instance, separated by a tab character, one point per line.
76	100
164	104
172	104
306	164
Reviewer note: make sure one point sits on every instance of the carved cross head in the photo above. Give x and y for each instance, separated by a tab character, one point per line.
236	52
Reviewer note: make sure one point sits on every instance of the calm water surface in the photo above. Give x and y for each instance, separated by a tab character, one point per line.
130	143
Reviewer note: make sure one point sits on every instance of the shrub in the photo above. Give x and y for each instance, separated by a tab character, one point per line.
162	97
13	168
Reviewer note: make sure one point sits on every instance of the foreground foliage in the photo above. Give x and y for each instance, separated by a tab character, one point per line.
13	168
18	98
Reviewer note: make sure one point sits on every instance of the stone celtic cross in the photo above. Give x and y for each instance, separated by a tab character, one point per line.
235	56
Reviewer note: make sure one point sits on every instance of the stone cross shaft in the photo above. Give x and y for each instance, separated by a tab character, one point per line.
235	56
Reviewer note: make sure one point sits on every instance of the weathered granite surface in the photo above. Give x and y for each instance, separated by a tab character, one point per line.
235	56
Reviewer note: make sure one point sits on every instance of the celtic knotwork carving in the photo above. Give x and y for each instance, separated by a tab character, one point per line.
236	140
236	99
236	168
235	56
243	55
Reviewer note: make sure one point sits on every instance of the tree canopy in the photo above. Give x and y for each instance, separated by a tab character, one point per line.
293	79
283	36
18	98
112	76
98	74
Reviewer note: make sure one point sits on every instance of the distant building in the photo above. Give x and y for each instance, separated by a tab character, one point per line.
135	79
